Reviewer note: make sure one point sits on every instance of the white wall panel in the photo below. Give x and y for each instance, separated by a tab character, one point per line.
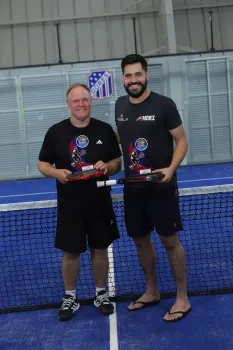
126	5
34	9
68	41
113	6
51	49
100	39
129	36
147	28
117	37
160	33
178	3
226	16
65	8
36	42
18	10
85	46
6	45
81	8
146	5
5	10
21	47
182	36
197	32
97	7
103	29
49	8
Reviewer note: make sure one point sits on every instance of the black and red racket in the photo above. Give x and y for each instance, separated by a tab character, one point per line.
84	175
149	177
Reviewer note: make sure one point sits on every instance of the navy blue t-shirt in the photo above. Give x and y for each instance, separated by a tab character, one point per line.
144	132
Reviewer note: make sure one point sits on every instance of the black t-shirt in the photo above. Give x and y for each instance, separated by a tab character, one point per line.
76	149
144	132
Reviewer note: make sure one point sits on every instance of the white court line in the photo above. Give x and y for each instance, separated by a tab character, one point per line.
113	330
27	194
119	186
210	179
113	336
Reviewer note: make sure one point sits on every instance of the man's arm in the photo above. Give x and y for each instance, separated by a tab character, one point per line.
49	170
179	153
118	136
181	147
110	168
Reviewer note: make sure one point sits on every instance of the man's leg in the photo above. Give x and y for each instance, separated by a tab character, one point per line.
138	224
100	265
147	257
177	259
99	261
70	271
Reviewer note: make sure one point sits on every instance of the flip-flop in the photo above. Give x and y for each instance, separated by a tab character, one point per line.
144	304
184	313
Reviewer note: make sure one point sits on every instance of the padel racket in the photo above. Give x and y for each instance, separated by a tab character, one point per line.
151	177
84	175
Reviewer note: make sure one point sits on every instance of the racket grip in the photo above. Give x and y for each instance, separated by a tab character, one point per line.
106	183
100	183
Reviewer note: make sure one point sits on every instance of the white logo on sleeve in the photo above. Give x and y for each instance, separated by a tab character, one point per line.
99	142
122	119
144	118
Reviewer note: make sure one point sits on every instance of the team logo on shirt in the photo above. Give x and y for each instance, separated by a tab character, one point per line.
144	118
141	144
82	141
137	155
78	153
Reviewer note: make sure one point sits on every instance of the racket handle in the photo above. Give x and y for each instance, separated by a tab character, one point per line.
106	183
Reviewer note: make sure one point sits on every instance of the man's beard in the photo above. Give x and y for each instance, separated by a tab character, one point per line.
135	94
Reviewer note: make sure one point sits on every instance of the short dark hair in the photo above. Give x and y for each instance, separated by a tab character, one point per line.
72	86
132	59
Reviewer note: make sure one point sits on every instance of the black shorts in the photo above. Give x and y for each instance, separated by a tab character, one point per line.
93	221
152	207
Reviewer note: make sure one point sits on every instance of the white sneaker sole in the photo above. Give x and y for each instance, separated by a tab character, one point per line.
76	308
96	303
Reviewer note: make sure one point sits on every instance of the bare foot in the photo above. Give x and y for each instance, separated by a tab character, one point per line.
180	305
145	298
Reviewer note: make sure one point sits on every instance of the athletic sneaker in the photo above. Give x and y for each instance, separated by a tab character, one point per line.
102	301
69	306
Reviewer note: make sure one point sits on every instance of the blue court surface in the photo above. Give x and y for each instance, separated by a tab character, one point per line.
208	326
44	189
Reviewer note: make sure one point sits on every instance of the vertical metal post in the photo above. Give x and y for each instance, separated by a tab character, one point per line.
210	110
229	102
135	34
211	31
58	43
22	124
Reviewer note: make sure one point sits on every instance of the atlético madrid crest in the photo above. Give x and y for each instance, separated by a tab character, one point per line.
101	84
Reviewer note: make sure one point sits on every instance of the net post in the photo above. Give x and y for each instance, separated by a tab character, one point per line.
111	273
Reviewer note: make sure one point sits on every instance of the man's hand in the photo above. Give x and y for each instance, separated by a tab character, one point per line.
61	175
101	166
168	172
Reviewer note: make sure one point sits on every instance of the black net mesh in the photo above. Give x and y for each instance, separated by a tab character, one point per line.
30	266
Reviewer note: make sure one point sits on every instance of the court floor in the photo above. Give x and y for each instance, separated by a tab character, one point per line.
45	189
208	326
